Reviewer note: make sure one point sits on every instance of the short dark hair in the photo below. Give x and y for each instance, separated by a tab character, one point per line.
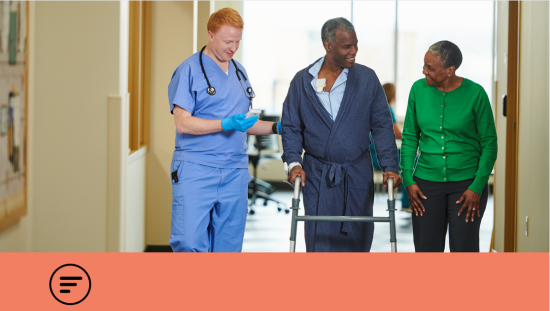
328	32
448	52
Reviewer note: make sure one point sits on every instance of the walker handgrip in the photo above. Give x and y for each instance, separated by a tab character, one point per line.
297	182
390	188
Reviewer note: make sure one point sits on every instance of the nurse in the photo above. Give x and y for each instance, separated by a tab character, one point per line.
210	164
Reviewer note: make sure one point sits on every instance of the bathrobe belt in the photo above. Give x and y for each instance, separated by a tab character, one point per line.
337	172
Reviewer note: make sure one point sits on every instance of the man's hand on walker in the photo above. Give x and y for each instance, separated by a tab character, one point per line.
297	171
396	179
471	202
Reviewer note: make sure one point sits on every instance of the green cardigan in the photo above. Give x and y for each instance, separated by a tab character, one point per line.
454	132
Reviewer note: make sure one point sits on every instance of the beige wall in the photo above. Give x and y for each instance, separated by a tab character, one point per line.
500	120
78	71
172	43
75	69
203	16
533	128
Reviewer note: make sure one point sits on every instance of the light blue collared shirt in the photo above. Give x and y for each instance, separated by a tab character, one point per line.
331	100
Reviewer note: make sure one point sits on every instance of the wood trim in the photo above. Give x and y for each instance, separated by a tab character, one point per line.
496	111
512	127
133	74
146	72
27	48
139	73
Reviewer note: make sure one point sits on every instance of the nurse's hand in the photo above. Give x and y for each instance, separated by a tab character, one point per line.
238	123
297	171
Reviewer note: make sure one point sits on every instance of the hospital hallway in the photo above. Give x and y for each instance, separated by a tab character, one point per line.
88	134
269	230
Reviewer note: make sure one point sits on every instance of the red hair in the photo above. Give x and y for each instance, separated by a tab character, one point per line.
225	16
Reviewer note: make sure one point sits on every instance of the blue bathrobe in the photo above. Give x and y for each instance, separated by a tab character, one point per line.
337	160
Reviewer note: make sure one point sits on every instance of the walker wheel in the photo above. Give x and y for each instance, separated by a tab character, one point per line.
265	202
252	212
279	209
287	211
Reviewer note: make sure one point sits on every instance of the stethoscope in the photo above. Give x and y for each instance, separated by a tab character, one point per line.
248	92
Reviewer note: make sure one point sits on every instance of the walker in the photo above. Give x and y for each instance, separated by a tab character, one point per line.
296	218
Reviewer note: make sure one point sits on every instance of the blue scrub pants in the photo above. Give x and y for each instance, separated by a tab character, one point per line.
209	208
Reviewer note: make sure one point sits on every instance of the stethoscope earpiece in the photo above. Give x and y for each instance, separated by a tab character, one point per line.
211	91
249	90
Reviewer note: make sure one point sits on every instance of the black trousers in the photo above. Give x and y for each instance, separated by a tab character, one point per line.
441	210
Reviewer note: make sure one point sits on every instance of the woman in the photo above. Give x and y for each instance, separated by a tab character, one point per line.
389	90
458	148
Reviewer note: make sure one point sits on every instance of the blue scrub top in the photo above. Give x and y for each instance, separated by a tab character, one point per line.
187	89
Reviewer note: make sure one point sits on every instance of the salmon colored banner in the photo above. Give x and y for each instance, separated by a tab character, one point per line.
153	281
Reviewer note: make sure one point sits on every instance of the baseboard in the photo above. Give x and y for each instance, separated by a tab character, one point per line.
158	249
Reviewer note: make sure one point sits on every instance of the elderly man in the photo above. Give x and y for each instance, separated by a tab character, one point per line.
331	108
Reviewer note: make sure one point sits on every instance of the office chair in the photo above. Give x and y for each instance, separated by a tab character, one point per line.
257	187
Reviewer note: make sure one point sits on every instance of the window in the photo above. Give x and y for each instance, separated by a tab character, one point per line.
374	23
469	25
281	38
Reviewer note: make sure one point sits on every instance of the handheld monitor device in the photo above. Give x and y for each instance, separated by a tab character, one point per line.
253	112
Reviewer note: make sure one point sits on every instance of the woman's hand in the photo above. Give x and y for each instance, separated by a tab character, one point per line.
471	202
414	193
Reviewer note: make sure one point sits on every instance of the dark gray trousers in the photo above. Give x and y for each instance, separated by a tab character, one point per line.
441	210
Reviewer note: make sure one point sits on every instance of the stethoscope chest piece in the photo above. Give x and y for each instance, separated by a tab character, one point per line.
211	91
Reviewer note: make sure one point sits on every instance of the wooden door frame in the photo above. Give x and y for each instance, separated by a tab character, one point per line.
139	73
512	127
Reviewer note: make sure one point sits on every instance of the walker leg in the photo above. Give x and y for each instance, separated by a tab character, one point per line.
391	210
293	246
295	207
294	225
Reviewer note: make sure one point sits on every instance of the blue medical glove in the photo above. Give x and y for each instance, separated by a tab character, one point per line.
280	129
238	123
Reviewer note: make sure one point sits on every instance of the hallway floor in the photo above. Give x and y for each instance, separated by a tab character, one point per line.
269	230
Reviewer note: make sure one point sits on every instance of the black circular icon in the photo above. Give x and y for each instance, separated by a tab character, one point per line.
70	284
